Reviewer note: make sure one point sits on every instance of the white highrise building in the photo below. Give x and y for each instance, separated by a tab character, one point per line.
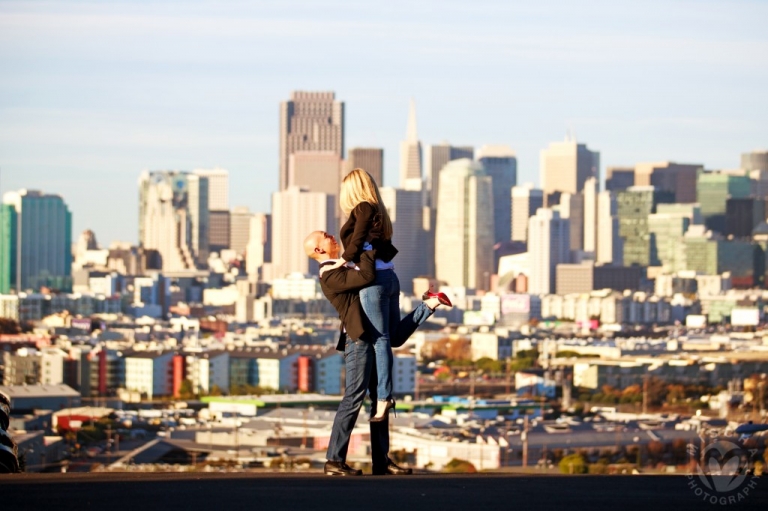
525	201
259	247
410	155
218	188
548	246
609	244
174	219
240	228
464	232
405	211
590	215
296	213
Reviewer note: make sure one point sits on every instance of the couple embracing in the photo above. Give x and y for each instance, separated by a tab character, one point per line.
364	289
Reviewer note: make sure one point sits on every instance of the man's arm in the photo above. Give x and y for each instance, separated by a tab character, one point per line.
346	279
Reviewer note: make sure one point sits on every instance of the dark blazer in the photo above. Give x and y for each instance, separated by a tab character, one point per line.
364	223
340	286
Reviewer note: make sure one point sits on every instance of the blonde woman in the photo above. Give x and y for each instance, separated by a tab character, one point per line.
369	227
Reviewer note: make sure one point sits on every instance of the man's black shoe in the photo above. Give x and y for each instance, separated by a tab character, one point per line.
393	470
339	468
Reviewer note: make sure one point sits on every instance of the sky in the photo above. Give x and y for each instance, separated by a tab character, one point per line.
92	92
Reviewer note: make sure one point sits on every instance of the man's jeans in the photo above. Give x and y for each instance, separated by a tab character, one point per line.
381	304
360	364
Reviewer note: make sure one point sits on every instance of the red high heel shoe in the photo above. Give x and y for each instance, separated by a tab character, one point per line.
441	297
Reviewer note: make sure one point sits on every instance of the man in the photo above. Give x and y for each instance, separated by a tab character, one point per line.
340	284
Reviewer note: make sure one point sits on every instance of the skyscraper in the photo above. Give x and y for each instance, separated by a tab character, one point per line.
525	201
713	190
635	204
35	242
316	171
500	162
591	189
677	178
410	155
259	249
218	207
310	121
548	246
572	209
174	218
241	229
464	232
619	178
218	188
756	160
405	211
295	214
610	247
565	166
370	159
435	158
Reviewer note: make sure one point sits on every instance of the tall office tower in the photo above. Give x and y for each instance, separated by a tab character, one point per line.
709	254
35	242
259	249
610	247
410	155
525	201
591	188
218	188
619	178
759	181
464	231
666	232
500	162
310	121
572	208
634	206
548	246
565	167
316	171
219	231
742	216
241	229
435	158
713	190
218	207
677	178
295	214
405	211
370	159
756	160
174	218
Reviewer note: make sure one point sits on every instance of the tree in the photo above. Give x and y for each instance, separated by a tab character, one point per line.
186	391
573	464
215	391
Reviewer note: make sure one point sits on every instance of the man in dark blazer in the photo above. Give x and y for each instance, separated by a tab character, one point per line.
340	284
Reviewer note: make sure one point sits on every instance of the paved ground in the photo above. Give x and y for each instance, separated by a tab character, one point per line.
145	492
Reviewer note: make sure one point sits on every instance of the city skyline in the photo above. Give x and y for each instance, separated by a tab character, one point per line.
83	120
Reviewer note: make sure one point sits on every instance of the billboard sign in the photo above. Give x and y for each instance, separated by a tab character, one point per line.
515	303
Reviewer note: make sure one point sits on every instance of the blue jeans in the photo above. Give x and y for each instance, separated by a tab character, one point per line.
361	378
381	305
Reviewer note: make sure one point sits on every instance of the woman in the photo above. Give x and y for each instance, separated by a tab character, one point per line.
369	227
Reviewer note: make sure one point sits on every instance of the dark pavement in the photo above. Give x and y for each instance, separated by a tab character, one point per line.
270	491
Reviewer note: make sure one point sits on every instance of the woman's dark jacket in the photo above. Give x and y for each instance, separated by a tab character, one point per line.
365	224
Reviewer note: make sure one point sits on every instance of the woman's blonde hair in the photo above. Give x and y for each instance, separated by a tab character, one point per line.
358	186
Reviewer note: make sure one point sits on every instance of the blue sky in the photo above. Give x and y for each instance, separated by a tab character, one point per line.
91	93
